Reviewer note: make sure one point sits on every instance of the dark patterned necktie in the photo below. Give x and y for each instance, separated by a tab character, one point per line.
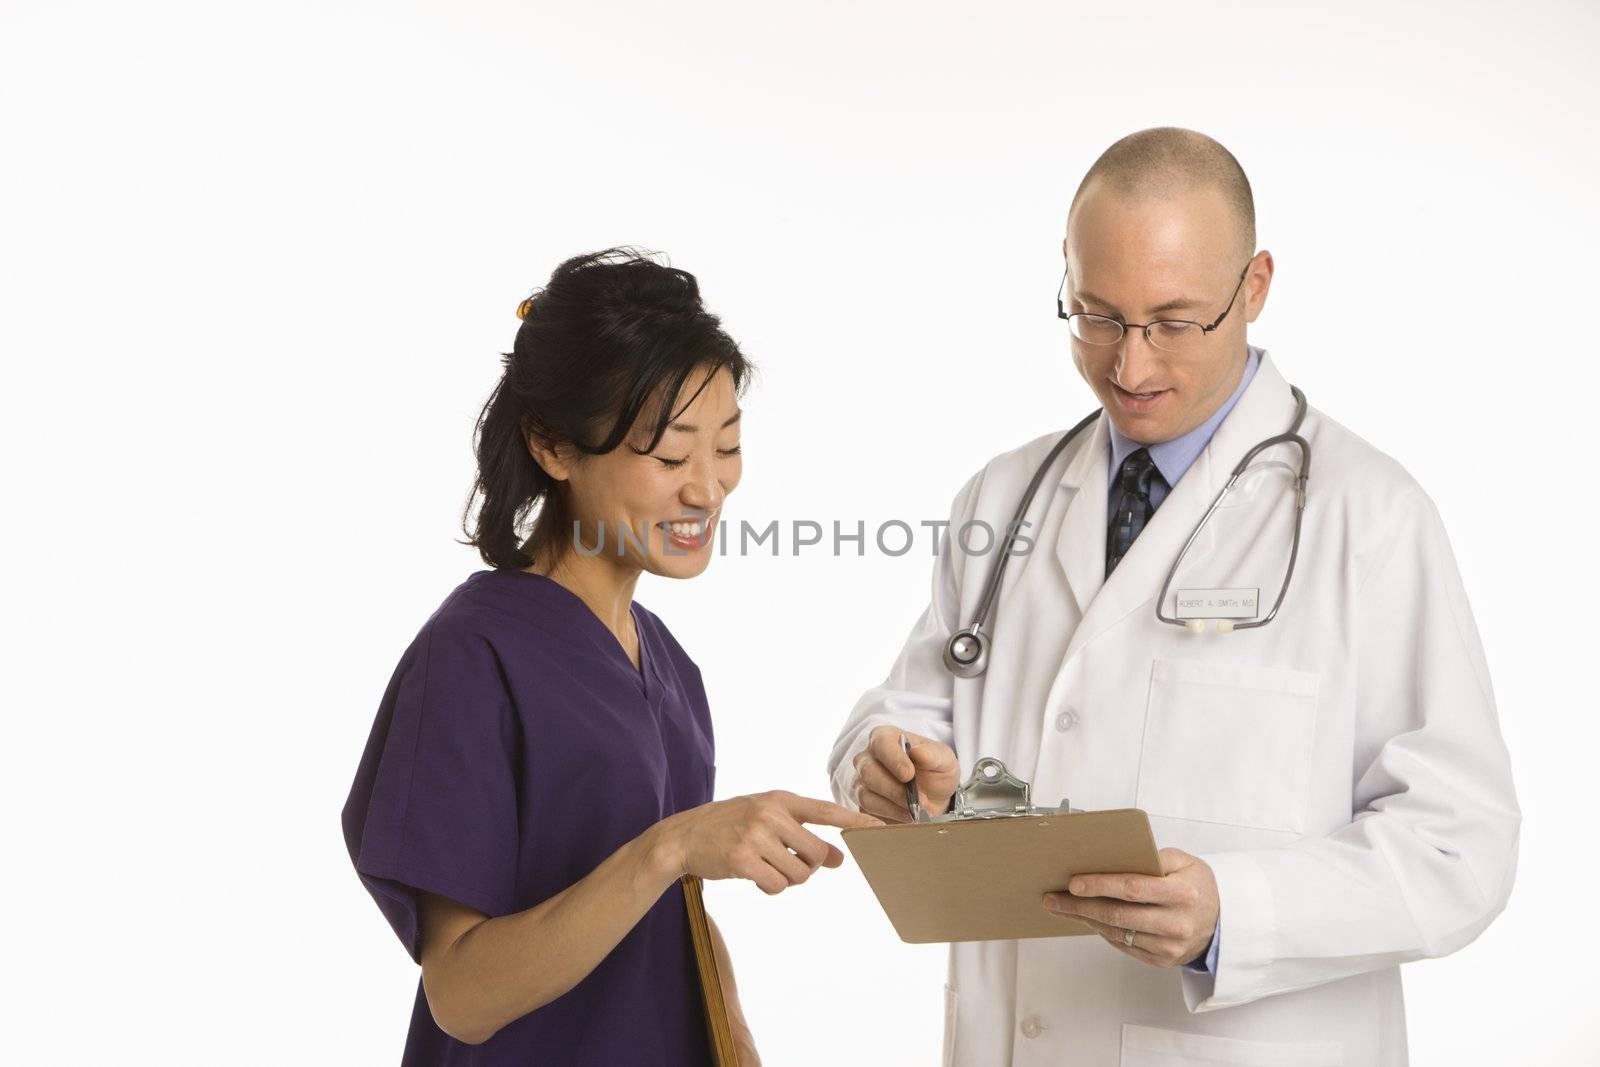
1133	507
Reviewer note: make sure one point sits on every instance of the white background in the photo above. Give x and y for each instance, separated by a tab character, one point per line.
257	263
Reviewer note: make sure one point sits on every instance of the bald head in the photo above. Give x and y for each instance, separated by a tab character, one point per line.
1166	161
1162	228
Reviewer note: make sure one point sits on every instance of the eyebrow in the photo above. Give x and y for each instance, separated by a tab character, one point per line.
1171	305
687	427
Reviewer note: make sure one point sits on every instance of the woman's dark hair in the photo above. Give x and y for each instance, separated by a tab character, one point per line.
610	332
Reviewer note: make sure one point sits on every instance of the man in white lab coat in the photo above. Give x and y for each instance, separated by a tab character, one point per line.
1331	788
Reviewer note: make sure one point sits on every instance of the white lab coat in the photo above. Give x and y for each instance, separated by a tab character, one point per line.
1341	769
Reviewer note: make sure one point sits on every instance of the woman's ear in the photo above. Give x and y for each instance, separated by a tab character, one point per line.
553	459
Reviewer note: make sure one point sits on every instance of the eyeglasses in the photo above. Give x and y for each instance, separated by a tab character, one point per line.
1169	335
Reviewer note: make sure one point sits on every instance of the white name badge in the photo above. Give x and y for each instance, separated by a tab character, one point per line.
1217	604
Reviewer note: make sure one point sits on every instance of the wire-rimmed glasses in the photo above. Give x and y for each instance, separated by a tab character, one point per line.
1169	335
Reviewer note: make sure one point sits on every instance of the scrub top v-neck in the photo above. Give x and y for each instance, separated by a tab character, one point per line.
515	748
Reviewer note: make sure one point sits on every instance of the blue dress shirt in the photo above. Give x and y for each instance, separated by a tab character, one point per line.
1171	459
1174	457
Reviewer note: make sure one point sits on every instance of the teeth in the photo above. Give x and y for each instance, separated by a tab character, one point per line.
689	531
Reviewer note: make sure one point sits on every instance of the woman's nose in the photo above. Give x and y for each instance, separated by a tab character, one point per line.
704	493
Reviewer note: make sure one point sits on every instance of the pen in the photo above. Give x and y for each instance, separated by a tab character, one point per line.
911	786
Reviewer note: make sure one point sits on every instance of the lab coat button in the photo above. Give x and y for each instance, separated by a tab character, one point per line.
1031	1027
1066	720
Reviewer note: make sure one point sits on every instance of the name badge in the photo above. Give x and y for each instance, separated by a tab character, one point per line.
1217	604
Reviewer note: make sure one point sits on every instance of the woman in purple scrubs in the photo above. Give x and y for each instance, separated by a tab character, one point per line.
540	772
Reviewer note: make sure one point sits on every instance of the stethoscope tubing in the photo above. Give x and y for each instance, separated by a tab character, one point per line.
966	653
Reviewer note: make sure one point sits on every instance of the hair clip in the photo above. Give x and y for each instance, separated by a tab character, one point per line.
524	307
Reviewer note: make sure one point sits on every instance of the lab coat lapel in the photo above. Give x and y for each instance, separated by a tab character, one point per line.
1263	410
1080	543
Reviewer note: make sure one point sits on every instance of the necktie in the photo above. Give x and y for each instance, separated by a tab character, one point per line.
1133	507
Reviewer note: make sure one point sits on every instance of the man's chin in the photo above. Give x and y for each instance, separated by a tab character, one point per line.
1144	430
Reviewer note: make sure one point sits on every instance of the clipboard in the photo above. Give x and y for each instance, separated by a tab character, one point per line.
718	1028
980	872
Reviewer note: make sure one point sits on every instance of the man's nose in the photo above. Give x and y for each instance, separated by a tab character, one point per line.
1136	358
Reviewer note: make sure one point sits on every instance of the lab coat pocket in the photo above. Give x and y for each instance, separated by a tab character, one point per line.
1148	1046
950	1000
1228	743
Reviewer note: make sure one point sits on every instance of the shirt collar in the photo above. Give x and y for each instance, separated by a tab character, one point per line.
1174	457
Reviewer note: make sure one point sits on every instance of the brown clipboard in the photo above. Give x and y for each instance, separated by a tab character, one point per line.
984	879
720	1030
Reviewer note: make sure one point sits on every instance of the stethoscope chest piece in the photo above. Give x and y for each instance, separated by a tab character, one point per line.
966	654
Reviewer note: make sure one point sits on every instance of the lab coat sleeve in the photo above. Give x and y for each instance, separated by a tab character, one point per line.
916	696
1429	856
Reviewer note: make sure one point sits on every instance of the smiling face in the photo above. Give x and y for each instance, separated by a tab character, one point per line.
670	497
1138	259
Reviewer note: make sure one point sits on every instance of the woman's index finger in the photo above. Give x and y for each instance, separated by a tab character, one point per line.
827	813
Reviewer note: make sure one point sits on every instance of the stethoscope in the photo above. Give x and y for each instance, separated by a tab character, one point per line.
966	654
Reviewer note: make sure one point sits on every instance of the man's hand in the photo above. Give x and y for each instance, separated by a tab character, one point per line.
882	771
1173	917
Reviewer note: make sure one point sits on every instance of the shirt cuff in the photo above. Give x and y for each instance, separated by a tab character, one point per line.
1207	963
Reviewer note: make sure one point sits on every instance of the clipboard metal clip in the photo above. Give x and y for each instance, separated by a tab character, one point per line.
992	792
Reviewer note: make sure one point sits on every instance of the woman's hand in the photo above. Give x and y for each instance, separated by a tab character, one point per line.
758	837
745	1045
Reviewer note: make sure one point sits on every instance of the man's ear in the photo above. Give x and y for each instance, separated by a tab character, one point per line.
554	459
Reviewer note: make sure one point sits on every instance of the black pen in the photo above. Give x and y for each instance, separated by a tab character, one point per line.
911	786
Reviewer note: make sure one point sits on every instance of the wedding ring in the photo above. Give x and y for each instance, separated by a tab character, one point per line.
1127	937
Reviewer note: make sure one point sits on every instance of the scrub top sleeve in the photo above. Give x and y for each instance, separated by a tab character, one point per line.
442	814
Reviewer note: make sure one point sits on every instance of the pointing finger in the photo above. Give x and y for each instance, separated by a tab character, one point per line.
826	813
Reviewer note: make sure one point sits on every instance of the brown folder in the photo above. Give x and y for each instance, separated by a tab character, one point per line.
984	879
720	1030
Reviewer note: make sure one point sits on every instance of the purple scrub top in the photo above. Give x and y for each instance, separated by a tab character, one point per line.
515	748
